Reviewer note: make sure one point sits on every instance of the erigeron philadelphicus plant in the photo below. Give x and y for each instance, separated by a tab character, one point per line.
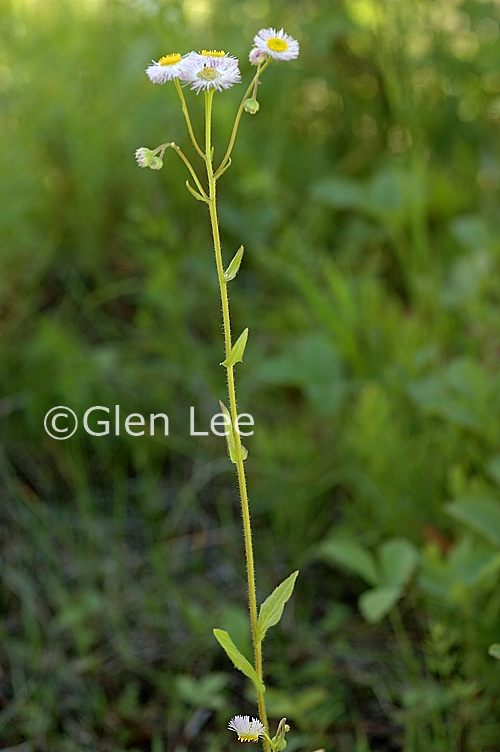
210	72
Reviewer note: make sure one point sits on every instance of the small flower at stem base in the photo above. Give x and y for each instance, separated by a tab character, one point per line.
248	729
251	105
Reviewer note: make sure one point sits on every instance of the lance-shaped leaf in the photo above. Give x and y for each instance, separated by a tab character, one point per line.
231	443
194	193
237	350
237	658
272	608
233	268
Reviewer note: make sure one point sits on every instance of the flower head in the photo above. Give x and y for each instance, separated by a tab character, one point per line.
211	69
144	156
248	729
276	44
166	69
257	57
147	158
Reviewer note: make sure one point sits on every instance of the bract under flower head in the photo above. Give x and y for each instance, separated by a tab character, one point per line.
276	44
211	70
248	729
166	69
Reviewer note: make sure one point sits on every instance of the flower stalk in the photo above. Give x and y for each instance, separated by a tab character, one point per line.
240	468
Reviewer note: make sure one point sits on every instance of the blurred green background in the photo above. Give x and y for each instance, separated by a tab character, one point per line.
366	194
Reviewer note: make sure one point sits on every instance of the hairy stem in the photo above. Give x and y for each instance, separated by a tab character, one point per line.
240	468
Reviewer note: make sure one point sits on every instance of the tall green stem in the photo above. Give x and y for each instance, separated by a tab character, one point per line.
240	468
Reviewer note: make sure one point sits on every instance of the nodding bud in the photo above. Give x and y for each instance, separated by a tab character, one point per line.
251	105
156	164
256	56
144	156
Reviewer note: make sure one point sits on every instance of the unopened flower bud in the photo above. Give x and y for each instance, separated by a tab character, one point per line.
256	56
144	156
251	105
156	164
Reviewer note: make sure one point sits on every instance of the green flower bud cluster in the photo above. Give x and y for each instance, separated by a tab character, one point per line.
147	158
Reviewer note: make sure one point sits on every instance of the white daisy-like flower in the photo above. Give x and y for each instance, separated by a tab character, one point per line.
211	69
167	68
276	44
248	729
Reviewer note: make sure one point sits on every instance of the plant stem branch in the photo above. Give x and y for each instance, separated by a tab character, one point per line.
185	112
189	166
247	531
252	85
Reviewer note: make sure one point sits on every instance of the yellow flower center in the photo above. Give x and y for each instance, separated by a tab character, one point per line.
208	74
213	53
277	45
174	57
248	737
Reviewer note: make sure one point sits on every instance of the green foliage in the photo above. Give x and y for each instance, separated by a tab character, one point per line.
233	268
271	610
494	650
389	571
481	514
230	440
237	658
237	351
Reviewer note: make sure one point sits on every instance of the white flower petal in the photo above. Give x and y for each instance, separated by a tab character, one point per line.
276	44
248	729
166	68
204	72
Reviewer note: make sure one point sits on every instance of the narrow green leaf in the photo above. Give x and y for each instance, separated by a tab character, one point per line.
220	172
194	193
272	608
234	267
494	650
230	440
236	354
376	603
237	658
